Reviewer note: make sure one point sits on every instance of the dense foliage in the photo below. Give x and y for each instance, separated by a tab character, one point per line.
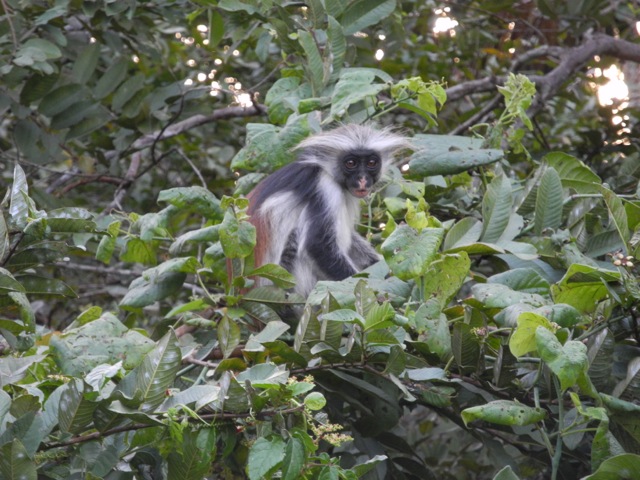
497	339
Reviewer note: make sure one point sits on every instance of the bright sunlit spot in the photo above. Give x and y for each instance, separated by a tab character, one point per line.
405	167
243	99
379	54
445	25
615	89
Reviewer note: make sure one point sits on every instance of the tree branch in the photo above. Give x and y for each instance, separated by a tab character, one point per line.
197	120
572	60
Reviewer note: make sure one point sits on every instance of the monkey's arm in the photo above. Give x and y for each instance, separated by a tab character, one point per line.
362	253
322	246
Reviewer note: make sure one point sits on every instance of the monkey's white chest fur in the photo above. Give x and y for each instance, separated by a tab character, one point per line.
298	227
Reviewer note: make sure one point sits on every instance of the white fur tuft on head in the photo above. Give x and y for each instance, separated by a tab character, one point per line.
334	143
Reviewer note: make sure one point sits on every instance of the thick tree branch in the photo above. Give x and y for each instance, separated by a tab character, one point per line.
571	61
197	120
574	59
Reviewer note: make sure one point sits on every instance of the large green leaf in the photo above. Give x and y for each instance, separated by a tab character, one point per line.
105	339
269	147
264	456
496	209
363	13
146	385
504	412
15	463
523	339
75	411
573	173
568	361
354	86
193	459
617	213
315	65
409	253
549	202
448	155
158	282
445	277
621	467
193	199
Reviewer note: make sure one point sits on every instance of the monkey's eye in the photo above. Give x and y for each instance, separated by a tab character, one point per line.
372	162
350	163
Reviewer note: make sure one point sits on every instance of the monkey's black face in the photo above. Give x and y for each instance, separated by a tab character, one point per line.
358	171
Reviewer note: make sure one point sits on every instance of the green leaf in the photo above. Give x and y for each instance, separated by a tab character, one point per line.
294	457
379	316
496	209
271	332
549	202
433	327
525	280
506	473
337	43
36	285
445	277
5	246
112	78
621	467
193	199
89	342
127	90
617	213
504	412
408	253
62	98
344	316
238	238
86	63
158	282
264	456
573	173
8	283
465	232
36	87
137	250
145	386
364	13
15	463
315	66
354	86
496	295
270	147
315	401
34	53
276	274
448	155
228	336
523	339
192	460
204	235
19	202
75	412
568	361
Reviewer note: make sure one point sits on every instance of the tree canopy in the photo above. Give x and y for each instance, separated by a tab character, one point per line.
497	339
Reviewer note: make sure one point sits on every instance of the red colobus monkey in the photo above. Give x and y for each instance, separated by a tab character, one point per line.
305	213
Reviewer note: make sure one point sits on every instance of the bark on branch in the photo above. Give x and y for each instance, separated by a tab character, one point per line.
571	61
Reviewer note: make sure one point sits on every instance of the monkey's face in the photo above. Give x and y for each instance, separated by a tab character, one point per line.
359	170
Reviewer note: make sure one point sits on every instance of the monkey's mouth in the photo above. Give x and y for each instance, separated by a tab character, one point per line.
360	192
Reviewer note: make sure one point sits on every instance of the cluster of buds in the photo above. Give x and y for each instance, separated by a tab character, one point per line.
619	260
